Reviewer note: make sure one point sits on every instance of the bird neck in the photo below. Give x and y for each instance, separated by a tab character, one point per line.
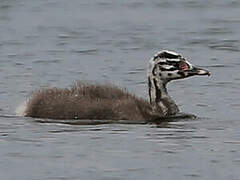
160	100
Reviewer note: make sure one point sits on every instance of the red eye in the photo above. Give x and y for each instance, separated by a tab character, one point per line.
183	66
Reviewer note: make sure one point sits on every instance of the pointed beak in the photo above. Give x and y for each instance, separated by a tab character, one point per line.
198	71
203	72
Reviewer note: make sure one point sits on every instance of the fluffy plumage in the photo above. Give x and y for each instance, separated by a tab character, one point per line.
87	101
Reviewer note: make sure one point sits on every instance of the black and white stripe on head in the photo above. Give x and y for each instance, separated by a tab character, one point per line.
165	61
166	55
168	65
163	67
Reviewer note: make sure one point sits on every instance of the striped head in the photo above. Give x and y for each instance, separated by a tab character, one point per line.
168	65
164	67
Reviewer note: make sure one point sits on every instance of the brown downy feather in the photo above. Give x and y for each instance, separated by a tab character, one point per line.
86	101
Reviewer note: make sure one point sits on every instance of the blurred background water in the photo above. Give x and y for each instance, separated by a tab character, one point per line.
51	43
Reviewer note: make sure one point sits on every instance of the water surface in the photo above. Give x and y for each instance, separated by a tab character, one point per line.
52	43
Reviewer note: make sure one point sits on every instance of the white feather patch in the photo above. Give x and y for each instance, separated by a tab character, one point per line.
21	109
167	66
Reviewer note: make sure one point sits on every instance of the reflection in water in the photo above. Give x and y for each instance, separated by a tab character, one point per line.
159	122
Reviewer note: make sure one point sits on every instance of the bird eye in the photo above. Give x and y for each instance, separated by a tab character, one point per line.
183	65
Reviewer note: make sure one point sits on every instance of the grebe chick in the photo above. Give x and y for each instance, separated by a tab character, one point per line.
107	102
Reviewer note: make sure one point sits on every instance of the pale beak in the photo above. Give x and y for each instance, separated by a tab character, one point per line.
197	71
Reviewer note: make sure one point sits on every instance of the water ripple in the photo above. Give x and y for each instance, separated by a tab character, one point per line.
228	45
87	51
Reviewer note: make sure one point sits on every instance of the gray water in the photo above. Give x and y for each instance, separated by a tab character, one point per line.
51	43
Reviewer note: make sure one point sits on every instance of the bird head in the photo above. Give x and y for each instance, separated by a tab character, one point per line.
169	65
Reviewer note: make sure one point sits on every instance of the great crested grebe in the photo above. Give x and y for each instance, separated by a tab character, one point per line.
107	102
